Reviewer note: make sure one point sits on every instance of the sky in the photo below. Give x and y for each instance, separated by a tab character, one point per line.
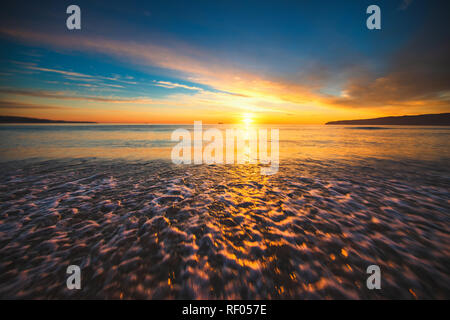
305	62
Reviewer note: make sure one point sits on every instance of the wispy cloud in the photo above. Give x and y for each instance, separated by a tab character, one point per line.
80	79
63	72
171	85
65	95
197	65
14	105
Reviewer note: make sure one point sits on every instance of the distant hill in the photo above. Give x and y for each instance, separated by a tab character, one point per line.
439	119
9	119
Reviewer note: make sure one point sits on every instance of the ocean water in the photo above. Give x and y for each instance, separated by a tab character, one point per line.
108	198
144	142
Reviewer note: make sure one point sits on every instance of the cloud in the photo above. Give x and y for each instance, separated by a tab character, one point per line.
202	100
63	72
188	62
64	95
171	85
417	74
4	104
76	76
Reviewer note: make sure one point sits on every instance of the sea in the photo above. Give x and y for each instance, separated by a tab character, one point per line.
109	199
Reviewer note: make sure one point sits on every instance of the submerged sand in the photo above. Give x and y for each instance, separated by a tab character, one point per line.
156	230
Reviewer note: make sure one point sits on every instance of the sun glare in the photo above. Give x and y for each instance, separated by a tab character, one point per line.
247	118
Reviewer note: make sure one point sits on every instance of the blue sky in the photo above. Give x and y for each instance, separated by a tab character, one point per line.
179	61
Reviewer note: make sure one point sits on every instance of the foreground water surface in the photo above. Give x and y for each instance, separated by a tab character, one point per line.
107	198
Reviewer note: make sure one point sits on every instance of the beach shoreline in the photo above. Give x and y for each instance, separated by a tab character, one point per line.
155	230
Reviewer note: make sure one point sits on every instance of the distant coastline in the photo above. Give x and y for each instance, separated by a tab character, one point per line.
10	119
439	119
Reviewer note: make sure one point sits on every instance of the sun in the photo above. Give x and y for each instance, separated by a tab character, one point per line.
247	118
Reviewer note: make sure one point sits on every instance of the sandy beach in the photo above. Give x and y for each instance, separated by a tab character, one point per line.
151	229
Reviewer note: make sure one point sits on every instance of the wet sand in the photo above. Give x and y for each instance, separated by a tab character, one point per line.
156	230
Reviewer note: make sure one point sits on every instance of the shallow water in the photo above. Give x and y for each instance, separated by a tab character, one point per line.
150	229
144	142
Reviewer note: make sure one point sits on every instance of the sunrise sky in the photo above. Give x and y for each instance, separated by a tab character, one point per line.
222	61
